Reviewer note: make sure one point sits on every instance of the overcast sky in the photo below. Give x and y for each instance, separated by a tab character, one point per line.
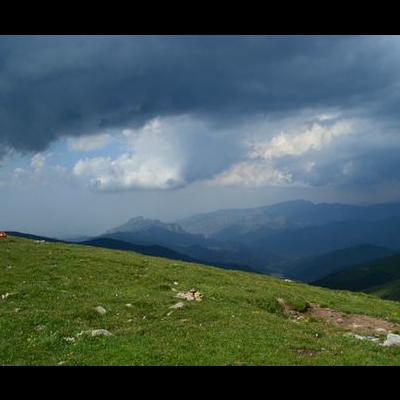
95	130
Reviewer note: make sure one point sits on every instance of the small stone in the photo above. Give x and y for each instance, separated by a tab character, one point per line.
100	310
101	332
40	328
176	283
128	305
392	340
177	305
369	338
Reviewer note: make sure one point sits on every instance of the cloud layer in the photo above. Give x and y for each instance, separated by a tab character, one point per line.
53	86
251	110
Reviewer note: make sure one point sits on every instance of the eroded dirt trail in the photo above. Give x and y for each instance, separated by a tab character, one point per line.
360	324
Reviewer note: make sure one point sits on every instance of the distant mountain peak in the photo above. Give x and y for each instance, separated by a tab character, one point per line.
140	223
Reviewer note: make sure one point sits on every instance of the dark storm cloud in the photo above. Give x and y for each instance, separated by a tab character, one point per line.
53	86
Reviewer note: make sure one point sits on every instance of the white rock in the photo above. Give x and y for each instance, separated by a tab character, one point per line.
370	338
177	305
128	305
392	340
100	310
100	332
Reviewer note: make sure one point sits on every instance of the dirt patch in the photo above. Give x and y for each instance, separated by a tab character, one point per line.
357	323
362	324
306	352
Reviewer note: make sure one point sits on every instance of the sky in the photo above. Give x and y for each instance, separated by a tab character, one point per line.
95	130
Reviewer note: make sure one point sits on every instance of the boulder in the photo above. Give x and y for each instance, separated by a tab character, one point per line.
392	340
101	332
100	310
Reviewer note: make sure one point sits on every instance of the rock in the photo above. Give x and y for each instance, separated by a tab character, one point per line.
101	332
100	310
392	340
128	305
191	295
40	328
177	305
370	338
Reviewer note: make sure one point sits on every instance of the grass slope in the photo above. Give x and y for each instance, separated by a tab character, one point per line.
55	288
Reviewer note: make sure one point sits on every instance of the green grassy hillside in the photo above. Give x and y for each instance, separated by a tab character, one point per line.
380	277
49	292
388	291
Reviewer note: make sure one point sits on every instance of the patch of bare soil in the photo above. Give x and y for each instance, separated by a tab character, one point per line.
360	324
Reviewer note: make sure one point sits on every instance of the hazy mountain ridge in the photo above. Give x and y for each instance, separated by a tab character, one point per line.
140	223
309	269
290	214
267	237
380	277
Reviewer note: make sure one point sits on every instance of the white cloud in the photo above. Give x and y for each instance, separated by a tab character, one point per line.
263	164
129	172
253	173
37	163
155	161
89	142
165	153
294	144
19	172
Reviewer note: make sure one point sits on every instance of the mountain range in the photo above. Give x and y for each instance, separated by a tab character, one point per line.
380	277
276	239
299	239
